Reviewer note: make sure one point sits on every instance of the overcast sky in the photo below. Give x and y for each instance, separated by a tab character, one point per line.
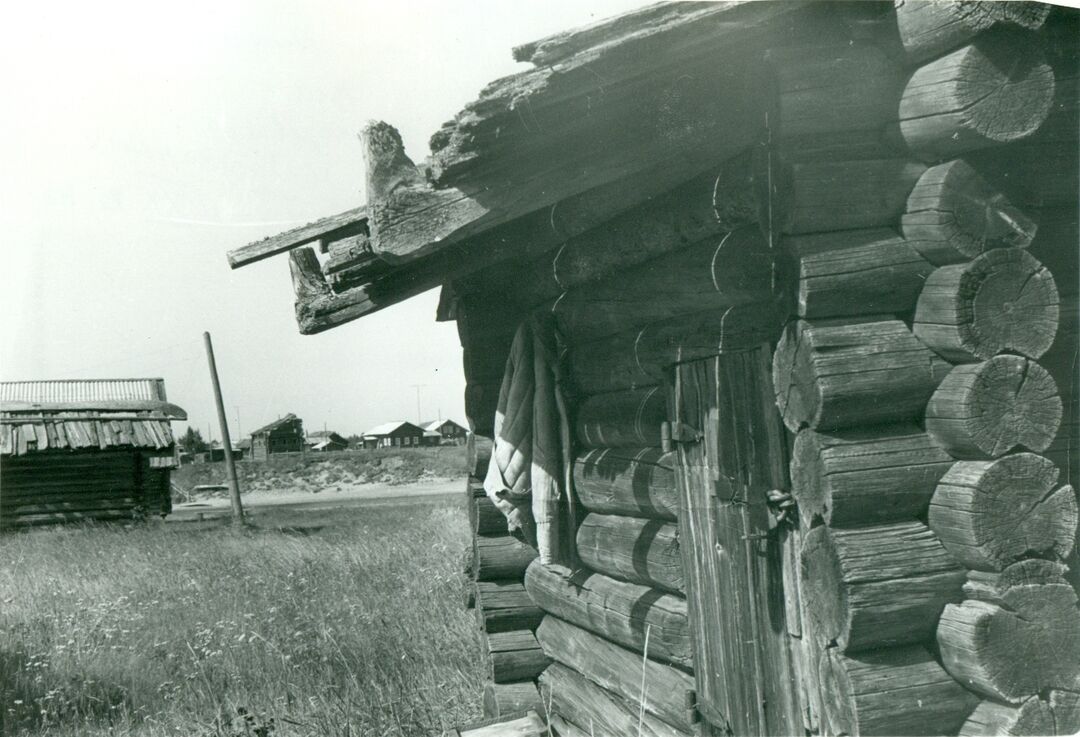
141	141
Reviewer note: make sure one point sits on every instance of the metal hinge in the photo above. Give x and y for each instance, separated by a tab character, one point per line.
677	432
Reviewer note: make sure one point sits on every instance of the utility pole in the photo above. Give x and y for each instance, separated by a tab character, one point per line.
419	419
226	443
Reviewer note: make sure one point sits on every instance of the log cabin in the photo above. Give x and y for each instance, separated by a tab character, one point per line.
283	435
811	272
85	449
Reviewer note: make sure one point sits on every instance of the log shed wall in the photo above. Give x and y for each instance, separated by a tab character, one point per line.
815	270
908	377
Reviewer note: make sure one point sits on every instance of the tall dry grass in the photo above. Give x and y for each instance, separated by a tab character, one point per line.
350	625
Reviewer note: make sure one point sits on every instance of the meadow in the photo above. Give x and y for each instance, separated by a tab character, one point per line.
341	622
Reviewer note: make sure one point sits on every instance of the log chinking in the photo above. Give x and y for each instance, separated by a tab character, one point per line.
832	374
632	549
865	476
995	90
1003	300
881	585
901	691
618	611
984	410
619	671
990	513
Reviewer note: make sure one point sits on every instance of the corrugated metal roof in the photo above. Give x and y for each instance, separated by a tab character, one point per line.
82	390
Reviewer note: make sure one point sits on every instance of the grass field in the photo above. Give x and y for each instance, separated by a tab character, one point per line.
342	622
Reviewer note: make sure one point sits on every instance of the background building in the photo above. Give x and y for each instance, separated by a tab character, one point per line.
85	449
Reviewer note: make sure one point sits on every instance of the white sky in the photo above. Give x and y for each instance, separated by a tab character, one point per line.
141	141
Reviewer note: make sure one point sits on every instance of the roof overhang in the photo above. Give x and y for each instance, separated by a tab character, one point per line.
611	115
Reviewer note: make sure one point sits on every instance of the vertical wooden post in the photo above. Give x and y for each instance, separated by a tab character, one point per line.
226	442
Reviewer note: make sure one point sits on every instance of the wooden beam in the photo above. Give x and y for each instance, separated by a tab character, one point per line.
350	222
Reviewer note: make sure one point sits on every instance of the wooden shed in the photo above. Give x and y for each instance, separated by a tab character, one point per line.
326	441
806	273
283	435
450	432
398	434
86	449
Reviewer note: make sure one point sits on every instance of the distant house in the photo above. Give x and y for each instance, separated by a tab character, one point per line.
280	436
326	440
216	452
399	434
85	449
450	433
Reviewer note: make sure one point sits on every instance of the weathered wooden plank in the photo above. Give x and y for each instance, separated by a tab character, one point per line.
632	549
732	563
618	611
661	689
333	227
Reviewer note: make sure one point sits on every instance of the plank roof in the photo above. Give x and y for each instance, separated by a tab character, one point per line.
609	116
85	414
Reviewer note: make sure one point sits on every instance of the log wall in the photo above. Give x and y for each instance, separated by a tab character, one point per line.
914	266
927	378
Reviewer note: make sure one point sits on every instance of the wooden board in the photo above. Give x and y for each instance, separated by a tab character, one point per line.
733	562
